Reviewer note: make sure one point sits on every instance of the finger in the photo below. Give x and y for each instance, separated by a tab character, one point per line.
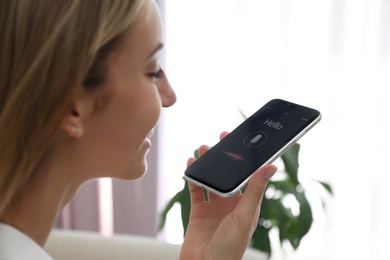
203	149
242	222
190	161
223	135
196	192
213	196
248	208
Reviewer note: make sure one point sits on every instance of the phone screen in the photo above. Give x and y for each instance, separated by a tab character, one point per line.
266	134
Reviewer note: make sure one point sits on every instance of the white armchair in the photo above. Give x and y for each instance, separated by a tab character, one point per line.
81	245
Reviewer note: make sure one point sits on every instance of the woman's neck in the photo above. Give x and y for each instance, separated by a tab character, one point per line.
37	207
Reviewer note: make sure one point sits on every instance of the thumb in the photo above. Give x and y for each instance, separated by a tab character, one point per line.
249	204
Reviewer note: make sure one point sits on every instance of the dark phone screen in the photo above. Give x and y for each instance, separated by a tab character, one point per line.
230	162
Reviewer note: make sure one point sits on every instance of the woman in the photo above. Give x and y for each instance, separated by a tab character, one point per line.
80	93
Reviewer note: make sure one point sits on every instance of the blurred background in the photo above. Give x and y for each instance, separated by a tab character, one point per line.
225	55
332	55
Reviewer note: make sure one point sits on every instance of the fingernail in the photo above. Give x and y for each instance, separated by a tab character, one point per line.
270	172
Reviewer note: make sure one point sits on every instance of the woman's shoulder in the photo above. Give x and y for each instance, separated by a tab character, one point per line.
14	244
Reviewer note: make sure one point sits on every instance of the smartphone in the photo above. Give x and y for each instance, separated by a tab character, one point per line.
259	140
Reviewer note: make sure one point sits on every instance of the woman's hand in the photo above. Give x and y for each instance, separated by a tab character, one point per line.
221	228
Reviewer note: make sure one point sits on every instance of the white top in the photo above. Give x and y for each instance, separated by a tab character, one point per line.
15	245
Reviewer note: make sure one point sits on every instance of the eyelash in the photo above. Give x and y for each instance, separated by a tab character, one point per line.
157	74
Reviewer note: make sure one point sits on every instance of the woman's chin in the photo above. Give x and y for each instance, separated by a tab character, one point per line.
136	173
141	173
136	169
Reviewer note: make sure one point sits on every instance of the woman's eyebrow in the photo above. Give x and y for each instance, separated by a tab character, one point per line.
158	47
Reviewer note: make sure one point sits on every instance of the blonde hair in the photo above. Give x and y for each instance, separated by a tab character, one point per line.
49	49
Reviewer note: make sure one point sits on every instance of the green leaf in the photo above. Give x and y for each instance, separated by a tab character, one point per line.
261	241
183	198
185	201
290	160
280	212
326	186
284	186
168	207
303	221
196	154
283	218
242	113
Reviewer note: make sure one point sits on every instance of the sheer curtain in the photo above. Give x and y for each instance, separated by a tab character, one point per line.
329	54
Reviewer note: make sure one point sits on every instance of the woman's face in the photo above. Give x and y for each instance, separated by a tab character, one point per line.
117	135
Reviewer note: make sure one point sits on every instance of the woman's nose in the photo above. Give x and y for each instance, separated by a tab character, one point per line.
167	94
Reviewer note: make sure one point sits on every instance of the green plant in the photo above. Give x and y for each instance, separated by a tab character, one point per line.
275	212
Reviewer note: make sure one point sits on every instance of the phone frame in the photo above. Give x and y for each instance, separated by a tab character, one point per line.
269	161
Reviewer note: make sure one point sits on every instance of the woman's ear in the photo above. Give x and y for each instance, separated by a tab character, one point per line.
74	122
